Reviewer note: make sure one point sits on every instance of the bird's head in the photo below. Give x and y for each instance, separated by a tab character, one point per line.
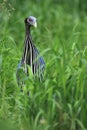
31	21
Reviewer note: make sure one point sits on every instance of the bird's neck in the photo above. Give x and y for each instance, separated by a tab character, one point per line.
27	29
27	42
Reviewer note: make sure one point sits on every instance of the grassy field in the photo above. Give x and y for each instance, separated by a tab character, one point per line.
60	101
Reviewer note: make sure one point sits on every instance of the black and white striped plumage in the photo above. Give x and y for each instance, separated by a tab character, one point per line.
31	54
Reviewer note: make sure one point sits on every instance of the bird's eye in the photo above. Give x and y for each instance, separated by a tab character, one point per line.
30	20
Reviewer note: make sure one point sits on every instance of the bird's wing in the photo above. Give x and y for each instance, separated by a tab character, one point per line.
38	63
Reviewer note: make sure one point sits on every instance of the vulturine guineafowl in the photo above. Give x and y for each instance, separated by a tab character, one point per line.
31	54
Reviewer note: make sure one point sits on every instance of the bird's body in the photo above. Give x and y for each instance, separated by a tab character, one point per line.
31	54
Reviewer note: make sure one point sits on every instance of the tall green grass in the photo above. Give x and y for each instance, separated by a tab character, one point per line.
59	102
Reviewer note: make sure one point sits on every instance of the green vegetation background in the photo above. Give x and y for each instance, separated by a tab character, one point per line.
60	101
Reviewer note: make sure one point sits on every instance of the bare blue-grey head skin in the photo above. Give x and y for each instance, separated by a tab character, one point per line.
31	21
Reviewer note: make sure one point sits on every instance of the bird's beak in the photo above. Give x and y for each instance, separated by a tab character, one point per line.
35	24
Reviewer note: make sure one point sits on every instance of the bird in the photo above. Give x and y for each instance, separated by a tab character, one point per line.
31	56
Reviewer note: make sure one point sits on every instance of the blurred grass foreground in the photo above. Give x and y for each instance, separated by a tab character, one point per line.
60	101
